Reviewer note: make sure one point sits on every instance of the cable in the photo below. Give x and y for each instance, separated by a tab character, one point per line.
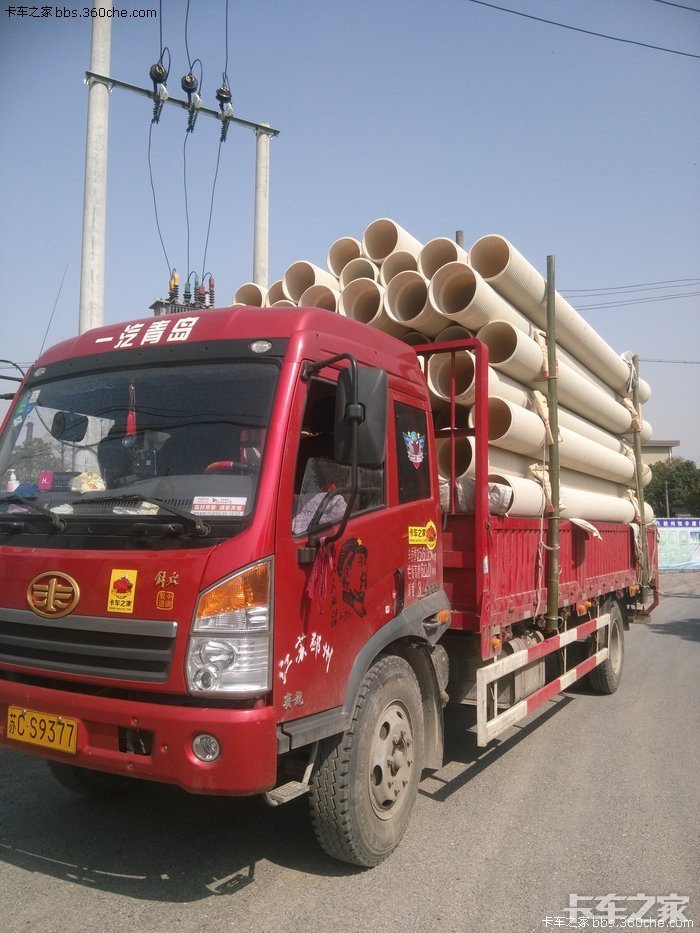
685	362
642	286
155	203
635	301
680	6
211	207
587	32
53	310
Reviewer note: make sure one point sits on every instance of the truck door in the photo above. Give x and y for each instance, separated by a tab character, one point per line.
327	606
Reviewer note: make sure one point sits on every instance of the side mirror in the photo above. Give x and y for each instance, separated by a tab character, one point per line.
372	397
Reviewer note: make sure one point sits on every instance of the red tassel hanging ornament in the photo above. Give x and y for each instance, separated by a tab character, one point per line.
130	433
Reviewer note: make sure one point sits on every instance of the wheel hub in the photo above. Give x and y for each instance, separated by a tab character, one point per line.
391	760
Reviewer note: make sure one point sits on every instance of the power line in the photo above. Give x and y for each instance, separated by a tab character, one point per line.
685	362
641	286
681	6
635	301
587	32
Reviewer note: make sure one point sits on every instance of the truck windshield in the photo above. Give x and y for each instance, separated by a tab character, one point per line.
189	435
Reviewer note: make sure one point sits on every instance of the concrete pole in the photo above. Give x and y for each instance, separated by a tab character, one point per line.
261	222
95	191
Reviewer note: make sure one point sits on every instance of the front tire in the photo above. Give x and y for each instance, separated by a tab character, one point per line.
606	677
365	786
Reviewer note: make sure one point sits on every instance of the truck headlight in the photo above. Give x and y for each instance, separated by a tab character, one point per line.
230	641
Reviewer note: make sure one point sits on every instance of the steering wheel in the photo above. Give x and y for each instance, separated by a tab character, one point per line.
231	466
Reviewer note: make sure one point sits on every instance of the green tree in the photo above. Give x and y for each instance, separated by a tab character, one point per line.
682	479
30	458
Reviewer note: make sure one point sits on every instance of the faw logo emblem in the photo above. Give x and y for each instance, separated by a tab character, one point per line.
53	595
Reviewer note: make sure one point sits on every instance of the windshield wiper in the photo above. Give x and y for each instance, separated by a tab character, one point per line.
58	523
199	527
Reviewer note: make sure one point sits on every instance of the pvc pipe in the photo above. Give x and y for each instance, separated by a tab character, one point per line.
250	293
453	332
646	433
284	303
443	418
414	338
437	253
407	302
363	300
261	218
529	500
463	297
320	296
341	252
302	275
360	268
528	496
275	293
513	352
501	461
399	261
507	270
384	236
522	431
439	377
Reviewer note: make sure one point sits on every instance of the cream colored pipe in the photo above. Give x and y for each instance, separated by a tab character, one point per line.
439	378
275	293
414	338
341	252
437	253
463	297
284	303
529	501
513	352
252	294
507	270
408	304
453	332
646	433
528	496
501	461
399	261
360	268
320	296
384	236
302	275
443	418
522	431
363	300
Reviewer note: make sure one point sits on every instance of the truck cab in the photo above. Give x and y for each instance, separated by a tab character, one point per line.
223	521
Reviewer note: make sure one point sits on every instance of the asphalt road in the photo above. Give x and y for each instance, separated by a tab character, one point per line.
593	796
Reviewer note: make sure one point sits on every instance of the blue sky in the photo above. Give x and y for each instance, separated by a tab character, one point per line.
442	115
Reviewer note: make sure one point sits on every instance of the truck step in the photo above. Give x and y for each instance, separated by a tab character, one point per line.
285	792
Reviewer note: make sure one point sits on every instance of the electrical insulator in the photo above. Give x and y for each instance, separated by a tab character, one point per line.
189	84
211	291
188	294
201	296
223	95
159	75
174	286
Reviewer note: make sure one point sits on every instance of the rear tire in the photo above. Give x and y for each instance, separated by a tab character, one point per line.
89	783
365	786
606	677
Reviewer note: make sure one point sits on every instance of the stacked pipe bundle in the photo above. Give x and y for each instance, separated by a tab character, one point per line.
438	291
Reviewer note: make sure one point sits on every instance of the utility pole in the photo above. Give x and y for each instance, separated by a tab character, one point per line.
92	264
95	197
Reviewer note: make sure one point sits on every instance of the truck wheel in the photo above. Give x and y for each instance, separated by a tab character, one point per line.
366	782
89	783
607	676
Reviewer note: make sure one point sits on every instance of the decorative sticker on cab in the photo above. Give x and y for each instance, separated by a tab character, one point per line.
423	534
122	591
415	447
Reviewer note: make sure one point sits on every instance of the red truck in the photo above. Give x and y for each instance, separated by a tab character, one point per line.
226	566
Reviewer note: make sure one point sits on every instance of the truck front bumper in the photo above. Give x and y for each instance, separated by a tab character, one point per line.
248	740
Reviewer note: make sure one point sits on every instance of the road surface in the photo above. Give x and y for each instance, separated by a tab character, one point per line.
593	796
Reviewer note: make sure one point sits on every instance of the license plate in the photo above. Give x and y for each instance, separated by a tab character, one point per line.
45	729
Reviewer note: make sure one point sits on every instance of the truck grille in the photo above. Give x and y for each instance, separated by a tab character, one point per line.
125	649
